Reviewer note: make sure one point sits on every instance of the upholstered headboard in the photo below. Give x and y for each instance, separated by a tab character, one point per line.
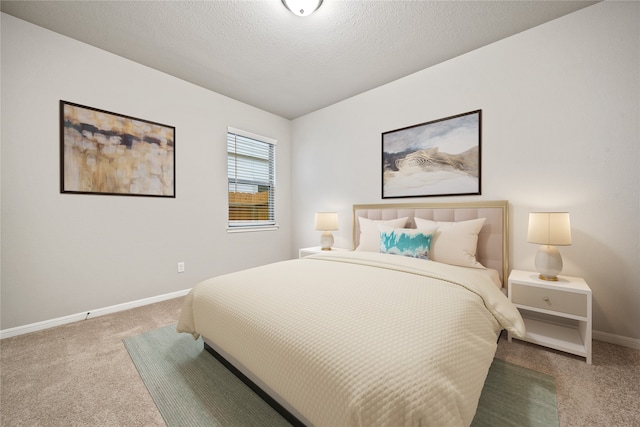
492	251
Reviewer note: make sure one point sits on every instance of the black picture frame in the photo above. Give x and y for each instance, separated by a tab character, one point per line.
437	158
107	153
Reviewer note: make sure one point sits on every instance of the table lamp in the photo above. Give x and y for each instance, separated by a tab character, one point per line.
326	222
549	229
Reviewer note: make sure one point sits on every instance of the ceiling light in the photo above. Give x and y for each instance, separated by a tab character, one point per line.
302	7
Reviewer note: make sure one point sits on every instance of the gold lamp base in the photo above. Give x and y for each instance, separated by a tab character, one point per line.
326	241
548	263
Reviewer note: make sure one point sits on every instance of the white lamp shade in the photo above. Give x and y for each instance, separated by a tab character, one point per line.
326	221
302	7
549	228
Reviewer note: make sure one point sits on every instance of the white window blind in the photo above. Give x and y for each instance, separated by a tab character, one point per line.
251	174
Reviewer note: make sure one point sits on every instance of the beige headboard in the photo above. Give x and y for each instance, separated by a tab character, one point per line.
493	239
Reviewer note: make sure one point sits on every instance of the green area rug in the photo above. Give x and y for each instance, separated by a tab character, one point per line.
516	396
191	388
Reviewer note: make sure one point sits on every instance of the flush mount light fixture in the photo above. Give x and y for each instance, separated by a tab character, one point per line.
302	7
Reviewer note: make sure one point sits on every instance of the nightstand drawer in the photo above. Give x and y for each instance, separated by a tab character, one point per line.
549	299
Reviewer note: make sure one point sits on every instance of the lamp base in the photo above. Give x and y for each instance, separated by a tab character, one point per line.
326	241
548	263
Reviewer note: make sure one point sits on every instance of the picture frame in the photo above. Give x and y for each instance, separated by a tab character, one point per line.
437	158
107	153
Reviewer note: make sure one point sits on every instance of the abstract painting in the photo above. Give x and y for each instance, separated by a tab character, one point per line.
436	158
108	153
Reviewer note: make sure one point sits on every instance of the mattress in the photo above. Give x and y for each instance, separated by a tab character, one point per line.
359	338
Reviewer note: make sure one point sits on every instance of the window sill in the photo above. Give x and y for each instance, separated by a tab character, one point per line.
252	229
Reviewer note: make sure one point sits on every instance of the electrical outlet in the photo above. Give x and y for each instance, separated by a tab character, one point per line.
181	267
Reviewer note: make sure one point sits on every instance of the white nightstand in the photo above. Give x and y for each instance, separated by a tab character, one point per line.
556	314
315	250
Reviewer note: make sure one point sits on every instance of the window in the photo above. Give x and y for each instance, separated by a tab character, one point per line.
251	174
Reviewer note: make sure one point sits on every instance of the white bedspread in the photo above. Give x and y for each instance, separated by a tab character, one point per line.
358	338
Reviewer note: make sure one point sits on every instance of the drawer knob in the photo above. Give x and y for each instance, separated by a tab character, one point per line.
545	299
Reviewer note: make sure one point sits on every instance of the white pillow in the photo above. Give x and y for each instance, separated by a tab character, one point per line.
454	243
370	235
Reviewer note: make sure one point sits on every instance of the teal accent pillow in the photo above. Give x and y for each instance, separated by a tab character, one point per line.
409	242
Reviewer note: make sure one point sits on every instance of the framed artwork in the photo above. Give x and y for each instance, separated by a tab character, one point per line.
113	154
437	158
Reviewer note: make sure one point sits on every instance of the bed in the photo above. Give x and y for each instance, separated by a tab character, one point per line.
370	337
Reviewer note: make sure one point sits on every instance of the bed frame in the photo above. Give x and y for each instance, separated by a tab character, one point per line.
262	390
492	253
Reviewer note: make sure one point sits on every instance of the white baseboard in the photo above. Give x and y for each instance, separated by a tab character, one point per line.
20	330
39	326
616	339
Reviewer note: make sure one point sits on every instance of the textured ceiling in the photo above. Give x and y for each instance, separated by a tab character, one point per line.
260	53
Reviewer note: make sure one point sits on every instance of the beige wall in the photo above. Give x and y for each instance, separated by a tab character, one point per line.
64	254
560	131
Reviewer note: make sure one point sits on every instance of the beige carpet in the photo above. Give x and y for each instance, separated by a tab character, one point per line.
606	393
81	375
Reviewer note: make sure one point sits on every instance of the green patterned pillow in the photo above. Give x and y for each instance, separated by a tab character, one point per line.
409	242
